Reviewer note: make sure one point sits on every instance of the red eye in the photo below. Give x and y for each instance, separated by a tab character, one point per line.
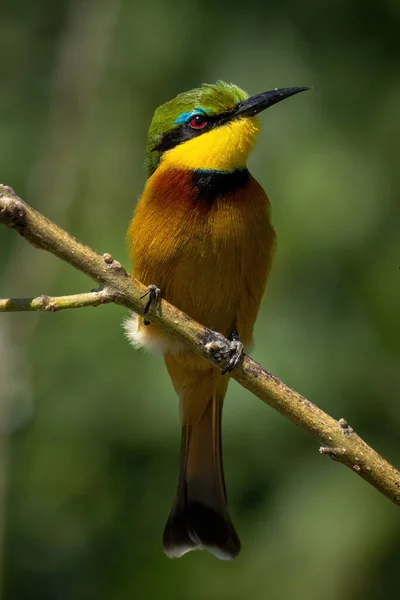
198	122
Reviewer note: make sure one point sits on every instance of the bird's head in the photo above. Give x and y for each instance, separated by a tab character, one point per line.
213	127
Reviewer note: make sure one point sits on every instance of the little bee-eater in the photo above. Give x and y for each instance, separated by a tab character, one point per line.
202	234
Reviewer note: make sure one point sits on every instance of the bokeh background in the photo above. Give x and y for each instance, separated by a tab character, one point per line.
89	428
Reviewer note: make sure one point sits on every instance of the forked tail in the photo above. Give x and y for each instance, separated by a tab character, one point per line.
199	518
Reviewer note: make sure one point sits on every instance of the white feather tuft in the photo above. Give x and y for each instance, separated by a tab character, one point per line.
143	338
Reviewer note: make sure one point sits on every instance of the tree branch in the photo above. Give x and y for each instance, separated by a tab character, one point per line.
337	438
55	303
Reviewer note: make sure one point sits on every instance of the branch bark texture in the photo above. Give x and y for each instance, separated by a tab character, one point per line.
56	303
337	439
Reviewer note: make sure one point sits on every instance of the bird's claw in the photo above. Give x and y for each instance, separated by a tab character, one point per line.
154	295
220	349
235	353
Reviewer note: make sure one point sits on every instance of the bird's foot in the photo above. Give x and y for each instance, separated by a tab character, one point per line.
154	295
221	350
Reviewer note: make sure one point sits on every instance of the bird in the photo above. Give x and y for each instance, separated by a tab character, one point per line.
201	236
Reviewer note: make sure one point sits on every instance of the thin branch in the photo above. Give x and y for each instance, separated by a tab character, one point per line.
338	440
55	303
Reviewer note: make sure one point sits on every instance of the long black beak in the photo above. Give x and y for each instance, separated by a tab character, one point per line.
254	105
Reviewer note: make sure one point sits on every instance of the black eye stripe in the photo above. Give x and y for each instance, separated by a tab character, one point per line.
181	134
185	132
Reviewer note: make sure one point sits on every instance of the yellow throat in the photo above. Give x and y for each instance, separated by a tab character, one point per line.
223	149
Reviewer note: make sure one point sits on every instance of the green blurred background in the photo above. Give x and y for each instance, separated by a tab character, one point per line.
89	427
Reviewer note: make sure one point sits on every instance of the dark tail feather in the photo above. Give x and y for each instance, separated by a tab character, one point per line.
199	518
